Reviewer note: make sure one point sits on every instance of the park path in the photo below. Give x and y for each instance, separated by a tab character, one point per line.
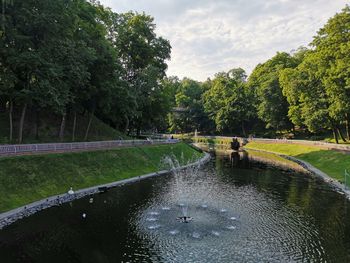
47	148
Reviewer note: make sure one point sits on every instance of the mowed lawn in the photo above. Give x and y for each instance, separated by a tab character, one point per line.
331	162
26	179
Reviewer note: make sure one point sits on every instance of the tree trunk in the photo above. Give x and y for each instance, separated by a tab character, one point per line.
37	124
335	135
74	126
341	135
243	130
11	120
347	126
3	17
126	125
63	125
21	123
88	127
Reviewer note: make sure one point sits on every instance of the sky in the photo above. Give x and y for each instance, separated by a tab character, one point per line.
210	36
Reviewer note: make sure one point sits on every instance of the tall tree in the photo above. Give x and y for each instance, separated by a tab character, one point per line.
143	56
272	106
227	101
332	45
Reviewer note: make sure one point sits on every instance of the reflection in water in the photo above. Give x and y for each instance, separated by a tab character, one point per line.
239	215
239	159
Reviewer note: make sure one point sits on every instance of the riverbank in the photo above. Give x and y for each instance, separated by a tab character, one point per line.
26	179
333	163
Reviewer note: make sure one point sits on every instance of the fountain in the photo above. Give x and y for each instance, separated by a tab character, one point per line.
189	214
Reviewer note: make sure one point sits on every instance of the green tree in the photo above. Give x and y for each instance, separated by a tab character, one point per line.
307	96
228	102
143	56
272	106
332	45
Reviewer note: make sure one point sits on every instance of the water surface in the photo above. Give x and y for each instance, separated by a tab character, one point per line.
239	215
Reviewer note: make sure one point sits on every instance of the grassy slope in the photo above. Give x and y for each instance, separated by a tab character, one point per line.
273	158
332	163
48	130
29	178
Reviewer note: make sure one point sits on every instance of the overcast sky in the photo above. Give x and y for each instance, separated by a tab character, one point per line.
208	36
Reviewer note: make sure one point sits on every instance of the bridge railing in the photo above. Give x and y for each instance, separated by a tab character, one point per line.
17	149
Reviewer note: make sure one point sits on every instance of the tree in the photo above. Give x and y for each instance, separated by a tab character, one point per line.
142	55
227	101
272	106
332	45
307	96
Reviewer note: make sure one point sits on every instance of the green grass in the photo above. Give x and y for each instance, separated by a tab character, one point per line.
221	141
331	162
29	178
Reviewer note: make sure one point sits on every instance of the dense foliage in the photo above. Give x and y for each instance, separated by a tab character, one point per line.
72	56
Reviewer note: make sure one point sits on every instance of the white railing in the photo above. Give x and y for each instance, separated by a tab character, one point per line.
18	149
314	143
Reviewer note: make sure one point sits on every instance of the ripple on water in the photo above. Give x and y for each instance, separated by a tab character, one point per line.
153	213
151	219
215	233
174	232
196	235
153	227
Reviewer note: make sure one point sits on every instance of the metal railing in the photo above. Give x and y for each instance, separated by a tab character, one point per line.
18	149
315	143
305	142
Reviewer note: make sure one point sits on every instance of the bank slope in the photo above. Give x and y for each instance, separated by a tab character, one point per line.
333	163
29	178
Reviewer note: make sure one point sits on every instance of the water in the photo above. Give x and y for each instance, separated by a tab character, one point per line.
239	215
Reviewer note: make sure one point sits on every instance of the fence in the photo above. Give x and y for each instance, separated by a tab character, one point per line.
76	146
331	146
315	143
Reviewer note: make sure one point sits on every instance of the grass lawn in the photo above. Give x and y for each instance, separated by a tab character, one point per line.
332	163
26	179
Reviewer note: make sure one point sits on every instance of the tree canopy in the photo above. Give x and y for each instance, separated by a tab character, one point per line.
68	56
77	57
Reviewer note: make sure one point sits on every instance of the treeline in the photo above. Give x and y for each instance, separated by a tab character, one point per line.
70	57
66	58
307	90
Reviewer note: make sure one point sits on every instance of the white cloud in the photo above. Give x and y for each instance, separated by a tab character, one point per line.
212	36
